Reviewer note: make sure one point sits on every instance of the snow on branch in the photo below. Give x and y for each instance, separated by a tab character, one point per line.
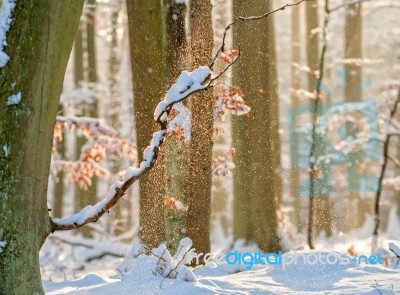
187	84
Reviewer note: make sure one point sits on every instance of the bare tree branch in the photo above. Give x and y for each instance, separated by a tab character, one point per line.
348	3
251	18
383	170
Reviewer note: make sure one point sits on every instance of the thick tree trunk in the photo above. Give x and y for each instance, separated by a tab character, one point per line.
201	145
146	46
257	187
39	44
176	150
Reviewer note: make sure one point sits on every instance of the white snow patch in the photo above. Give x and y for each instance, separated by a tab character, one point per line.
5	22
187	83
14	99
6	150
2	245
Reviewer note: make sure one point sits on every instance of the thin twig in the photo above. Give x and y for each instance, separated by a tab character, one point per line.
383	170
221	48
313	131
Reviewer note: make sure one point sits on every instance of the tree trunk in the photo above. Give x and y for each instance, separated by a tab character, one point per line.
39	44
145	35
85	197
257	185
58	195
353	72
201	145
122	211
296	84
176	150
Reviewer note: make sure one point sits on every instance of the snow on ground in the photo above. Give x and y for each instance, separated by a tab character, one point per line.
228	279
107	276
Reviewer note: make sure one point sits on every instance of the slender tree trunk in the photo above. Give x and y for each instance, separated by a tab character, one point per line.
199	212
123	208
39	44
145	34
85	197
257	184
176	150
58	196
296	84
312	46
353	50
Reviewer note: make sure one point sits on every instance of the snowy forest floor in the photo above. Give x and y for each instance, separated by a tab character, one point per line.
317	279
101	276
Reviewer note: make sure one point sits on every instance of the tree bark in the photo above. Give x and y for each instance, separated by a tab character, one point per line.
257	185
199	212
145	24
296	84
353	72
39	44
176	150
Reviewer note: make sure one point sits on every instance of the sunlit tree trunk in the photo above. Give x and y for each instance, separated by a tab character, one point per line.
199	212
296	84
58	196
353	50
319	205
256	183
122	212
86	197
39	44
176	149
145	35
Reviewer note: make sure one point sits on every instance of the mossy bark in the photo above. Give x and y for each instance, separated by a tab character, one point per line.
39	44
145	24
257	185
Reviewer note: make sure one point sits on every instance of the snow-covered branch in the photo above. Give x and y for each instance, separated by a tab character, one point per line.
187	84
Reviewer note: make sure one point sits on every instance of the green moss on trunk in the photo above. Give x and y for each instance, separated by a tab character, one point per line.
39	43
